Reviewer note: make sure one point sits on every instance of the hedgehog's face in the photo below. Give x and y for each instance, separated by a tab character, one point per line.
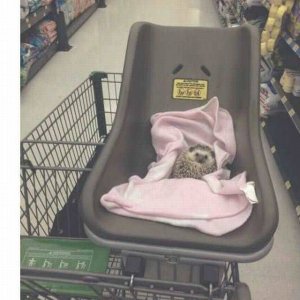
202	155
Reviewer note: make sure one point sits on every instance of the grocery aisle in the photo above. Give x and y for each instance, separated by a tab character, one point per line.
276	276
100	44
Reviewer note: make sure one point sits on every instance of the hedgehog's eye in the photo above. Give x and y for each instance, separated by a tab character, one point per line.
197	154
205	156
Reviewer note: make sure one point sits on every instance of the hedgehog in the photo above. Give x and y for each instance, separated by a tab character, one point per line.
194	162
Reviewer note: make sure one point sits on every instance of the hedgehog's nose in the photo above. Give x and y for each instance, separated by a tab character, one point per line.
200	158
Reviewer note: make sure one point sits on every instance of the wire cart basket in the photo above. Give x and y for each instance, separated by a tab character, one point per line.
56	158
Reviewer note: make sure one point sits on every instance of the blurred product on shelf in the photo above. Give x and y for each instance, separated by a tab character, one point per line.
290	4
30	6
269	100
24	8
36	4
29	55
274	25
73	8
294	24
255	3
296	89
266	69
42	35
279	23
290	81
34	44
48	28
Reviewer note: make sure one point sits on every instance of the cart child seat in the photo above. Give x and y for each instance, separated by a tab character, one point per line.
157	57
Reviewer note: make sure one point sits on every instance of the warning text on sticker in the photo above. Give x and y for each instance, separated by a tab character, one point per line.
190	89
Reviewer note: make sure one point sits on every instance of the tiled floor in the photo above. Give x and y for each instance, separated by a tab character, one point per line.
100	45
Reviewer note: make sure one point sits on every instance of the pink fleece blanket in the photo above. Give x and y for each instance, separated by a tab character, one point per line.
215	205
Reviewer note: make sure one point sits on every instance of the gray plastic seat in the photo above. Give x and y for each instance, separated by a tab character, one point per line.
231	65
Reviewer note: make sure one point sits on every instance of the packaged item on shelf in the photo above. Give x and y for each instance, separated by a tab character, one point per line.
266	68
24	8
296	89
29	54
274	25
43	35
294	24
289	4
73	8
281	11
263	49
269	100
46	2
288	81
35	44
270	45
36	4
23	76
273	11
270	24
47	26
254	3
38	40
275	33
64	8
265	35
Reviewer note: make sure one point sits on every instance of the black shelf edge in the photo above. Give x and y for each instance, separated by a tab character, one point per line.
45	57
289	102
35	17
292	44
288	184
77	23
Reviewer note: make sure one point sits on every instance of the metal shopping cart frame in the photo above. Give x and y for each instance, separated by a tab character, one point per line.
56	159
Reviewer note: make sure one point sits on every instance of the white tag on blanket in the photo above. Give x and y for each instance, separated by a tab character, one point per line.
249	191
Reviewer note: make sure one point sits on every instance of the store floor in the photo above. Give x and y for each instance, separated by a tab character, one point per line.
100	44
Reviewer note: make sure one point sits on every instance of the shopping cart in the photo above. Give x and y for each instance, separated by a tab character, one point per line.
56	158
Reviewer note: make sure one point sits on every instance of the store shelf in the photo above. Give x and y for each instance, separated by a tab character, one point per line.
233	10
291	104
220	16
229	16
35	17
44	58
293	45
243	3
279	132
75	24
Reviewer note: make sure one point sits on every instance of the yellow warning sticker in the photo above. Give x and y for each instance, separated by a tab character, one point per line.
190	89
